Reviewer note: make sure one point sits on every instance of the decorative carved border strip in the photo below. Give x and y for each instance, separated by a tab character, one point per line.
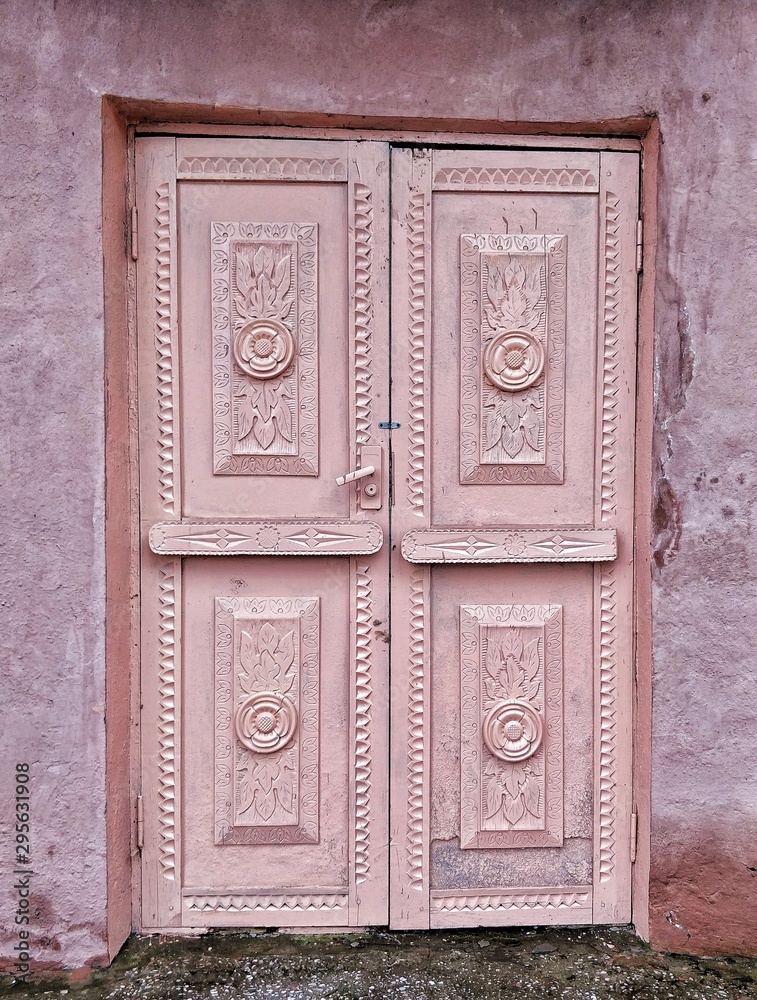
608	693
164	347
268	168
546	466
231	613
363	722
486	900
510	545
167	723
610	362
266	538
297	900
363	311
480	626
515	179
417	362
416	732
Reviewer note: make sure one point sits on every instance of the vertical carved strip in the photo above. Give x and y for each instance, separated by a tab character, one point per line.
363	720
610	364
415	729
167	724
417	334
363	237
164	348
607	724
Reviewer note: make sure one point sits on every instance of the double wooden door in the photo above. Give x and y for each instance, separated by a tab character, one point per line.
401	695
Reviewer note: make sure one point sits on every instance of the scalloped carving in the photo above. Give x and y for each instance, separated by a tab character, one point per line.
265	902
416	748
363	311
488	900
167	723
511	655
265	348
363	721
266	649
512	436
608	693
610	362
262	168
417	360
164	346
514	179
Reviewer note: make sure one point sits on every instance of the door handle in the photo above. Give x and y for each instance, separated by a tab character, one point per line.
371	464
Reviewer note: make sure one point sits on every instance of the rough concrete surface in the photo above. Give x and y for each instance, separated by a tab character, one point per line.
693	63
461	965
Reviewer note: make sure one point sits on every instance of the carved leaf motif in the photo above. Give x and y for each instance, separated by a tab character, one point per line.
531	427
531	795
247	652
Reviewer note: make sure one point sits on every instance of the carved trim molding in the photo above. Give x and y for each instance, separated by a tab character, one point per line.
266	768
488	900
515	179
417	344
416	748
363	311
164	347
167	723
266	538
265	348
512	296
610	361
297	901
363	721
511	727
608	693
510	545
265	168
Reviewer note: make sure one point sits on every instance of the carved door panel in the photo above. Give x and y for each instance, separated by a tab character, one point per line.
262	278
514	320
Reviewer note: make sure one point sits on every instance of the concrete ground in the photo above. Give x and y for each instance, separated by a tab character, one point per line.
456	965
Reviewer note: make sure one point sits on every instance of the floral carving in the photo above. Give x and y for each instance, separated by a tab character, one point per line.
515	297
266	721
513	730
514	360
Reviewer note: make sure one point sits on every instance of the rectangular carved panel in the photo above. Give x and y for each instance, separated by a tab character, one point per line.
511	725
509	545
512	358
265	348
266	538
266	717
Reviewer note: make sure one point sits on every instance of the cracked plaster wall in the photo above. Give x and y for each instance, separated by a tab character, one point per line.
692	63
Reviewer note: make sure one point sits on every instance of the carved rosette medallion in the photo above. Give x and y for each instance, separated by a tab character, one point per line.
265	722
512	359
511	726
265	358
512	730
264	348
266	770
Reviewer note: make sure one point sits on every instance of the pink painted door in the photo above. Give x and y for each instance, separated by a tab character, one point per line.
514	319
272	536
262	283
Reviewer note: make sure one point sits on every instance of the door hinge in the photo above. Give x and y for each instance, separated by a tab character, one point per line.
134	234
634	828
639	244
140	822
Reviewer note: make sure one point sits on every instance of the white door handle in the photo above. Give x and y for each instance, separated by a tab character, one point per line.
367	470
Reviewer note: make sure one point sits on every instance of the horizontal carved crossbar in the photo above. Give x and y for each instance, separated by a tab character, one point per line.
266	538
510	545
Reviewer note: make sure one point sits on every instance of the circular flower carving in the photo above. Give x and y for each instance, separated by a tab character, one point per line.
264	348
514	544
513	360
513	730
268	537
265	722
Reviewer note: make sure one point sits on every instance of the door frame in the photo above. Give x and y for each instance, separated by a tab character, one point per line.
122	121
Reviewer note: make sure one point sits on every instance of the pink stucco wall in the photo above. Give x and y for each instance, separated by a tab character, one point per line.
692	63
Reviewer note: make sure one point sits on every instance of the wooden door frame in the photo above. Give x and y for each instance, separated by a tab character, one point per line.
122	120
